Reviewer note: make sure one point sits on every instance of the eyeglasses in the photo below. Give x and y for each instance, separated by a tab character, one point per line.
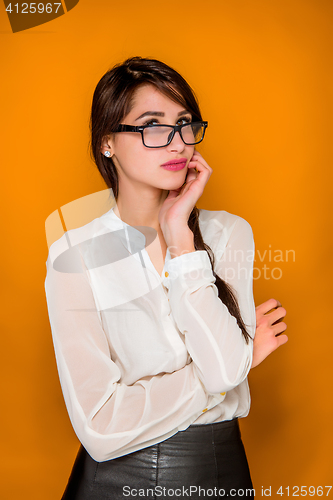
159	136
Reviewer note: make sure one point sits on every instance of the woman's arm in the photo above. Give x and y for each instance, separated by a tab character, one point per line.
212	336
110	418
268	331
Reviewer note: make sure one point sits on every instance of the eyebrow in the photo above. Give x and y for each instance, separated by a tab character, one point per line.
159	113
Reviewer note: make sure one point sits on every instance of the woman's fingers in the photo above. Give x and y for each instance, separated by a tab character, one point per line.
191	175
282	339
197	175
269	328
267	306
200	171
279	328
197	158
271	321
179	203
276	314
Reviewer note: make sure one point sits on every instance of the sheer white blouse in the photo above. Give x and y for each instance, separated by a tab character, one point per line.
142	356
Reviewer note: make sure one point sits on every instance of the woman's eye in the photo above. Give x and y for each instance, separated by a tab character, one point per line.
184	120
151	122
181	121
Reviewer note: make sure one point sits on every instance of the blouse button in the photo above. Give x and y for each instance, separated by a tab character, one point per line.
222	393
204	410
166	274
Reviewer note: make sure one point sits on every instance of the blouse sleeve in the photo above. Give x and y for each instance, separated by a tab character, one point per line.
110	418
213	339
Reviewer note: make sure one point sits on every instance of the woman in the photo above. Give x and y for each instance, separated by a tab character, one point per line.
151	306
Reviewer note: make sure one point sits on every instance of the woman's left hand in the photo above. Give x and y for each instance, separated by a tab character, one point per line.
178	205
269	327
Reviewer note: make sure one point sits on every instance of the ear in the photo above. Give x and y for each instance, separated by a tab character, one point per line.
107	145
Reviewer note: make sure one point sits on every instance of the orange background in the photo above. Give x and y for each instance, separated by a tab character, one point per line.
262	71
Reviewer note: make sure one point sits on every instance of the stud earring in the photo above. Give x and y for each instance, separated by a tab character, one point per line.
107	154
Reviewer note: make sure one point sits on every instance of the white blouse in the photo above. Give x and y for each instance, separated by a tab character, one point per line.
142	356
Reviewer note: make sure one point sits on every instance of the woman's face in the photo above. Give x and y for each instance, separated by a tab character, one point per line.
138	164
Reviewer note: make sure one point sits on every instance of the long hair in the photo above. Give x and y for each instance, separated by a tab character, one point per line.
112	101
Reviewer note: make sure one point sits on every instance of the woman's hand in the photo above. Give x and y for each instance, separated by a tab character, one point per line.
178	205
268	336
180	202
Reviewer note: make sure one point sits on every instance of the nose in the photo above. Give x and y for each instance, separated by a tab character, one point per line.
176	144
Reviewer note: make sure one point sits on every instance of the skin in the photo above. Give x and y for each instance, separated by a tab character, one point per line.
152	196
143	184
268	336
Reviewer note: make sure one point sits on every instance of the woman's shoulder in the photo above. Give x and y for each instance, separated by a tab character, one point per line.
222	219
217	227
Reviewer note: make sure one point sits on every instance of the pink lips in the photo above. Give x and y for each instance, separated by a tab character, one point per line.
175	164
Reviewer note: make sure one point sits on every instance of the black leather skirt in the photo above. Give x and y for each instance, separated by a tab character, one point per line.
202	461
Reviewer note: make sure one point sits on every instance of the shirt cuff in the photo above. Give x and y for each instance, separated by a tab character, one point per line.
192	268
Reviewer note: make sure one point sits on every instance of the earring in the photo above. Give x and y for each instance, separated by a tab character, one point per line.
107	154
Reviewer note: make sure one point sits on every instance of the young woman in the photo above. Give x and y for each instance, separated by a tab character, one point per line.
151	306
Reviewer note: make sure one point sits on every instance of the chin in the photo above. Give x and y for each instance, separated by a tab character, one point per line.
174	186
177	180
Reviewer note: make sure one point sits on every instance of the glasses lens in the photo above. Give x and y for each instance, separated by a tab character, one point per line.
156	136
193	133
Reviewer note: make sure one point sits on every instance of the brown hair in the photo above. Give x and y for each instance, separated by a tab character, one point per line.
112	101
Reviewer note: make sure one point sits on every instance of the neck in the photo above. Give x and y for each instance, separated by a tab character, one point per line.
140	208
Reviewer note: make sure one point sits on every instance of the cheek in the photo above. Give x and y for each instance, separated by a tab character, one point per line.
128	151
191	151
135	159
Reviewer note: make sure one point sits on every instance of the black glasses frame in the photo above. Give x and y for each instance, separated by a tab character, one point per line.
176	128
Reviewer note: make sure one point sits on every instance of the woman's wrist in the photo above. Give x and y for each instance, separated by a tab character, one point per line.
181	250
181	243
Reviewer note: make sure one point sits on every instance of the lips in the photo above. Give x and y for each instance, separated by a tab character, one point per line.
176	164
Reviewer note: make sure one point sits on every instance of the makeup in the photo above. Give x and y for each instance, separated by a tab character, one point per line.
178	164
